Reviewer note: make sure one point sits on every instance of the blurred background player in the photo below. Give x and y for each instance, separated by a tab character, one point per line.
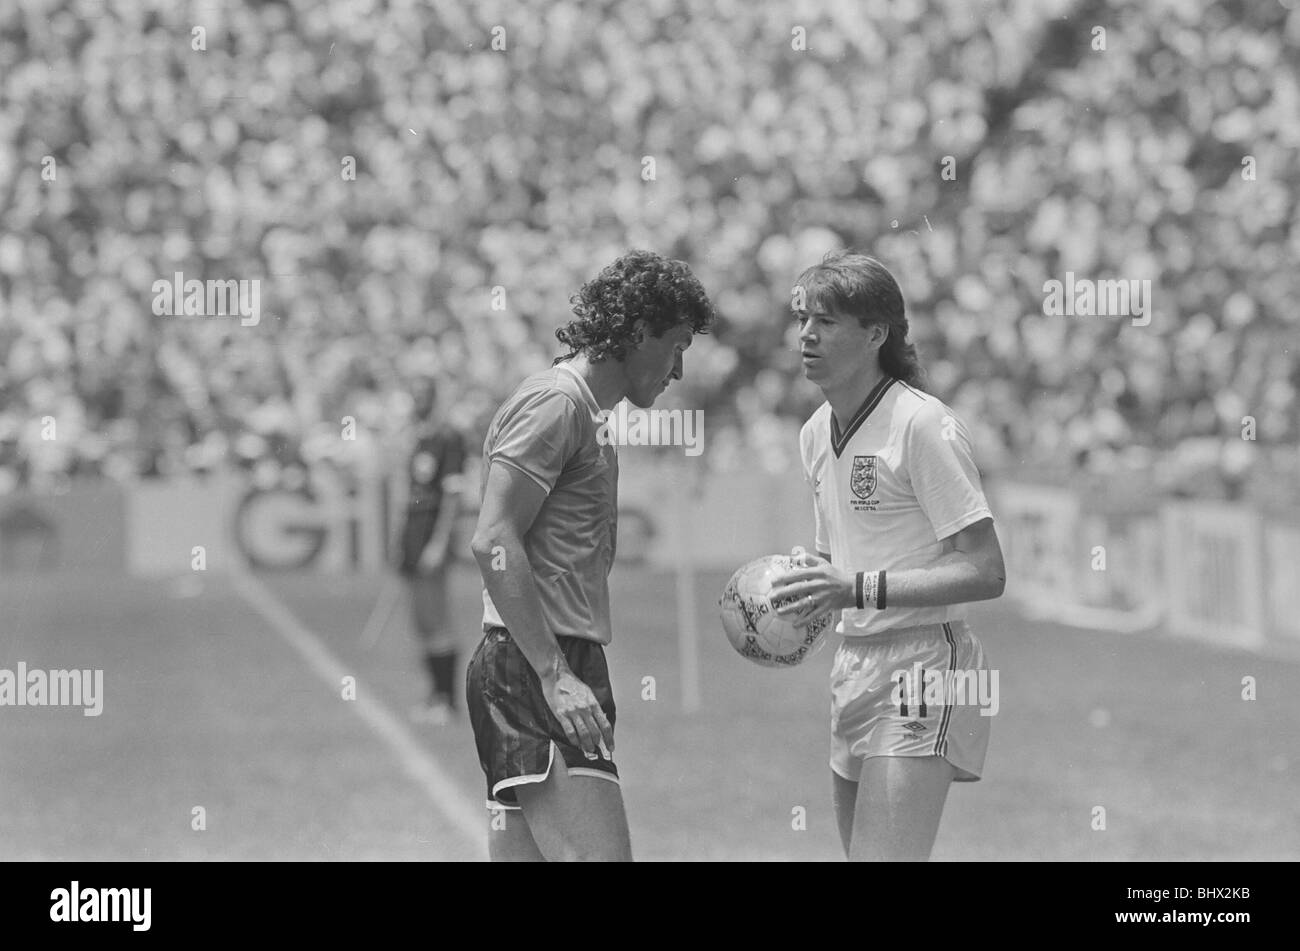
905	538
432	504
538	688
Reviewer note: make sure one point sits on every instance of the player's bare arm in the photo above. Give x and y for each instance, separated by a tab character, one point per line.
511	501
970	568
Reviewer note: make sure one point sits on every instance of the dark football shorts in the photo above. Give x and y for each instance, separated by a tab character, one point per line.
515	731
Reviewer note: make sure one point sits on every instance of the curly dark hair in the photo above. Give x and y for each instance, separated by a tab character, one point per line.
640	285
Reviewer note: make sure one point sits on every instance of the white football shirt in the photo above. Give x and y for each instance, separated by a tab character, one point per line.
888	489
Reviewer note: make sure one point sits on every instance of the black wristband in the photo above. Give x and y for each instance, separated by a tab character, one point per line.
857	587
880	593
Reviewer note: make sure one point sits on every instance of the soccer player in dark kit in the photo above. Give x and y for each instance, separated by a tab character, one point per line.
434	471
538	689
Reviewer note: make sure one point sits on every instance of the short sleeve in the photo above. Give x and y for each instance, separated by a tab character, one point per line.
941	467
538	438
821	541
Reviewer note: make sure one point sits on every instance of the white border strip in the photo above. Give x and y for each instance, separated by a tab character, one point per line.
525	779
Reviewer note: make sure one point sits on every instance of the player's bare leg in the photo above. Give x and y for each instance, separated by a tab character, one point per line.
576	818
899	804
509	839
844	795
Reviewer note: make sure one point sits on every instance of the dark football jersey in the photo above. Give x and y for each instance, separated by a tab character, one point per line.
438	454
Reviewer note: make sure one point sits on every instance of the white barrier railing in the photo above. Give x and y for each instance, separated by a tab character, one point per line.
1071	561
1281	556
1215	571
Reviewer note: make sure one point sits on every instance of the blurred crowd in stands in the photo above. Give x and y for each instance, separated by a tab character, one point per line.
505	151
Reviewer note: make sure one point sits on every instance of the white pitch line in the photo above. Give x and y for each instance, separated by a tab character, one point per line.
441	789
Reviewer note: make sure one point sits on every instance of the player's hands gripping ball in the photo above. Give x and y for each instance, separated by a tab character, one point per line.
755	624
813	587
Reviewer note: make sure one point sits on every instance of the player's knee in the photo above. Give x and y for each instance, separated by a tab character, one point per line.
560	843
566	851
586	850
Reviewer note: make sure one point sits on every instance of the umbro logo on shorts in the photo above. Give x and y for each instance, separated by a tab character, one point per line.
915	726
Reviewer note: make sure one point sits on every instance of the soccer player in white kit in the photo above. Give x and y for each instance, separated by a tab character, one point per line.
905	539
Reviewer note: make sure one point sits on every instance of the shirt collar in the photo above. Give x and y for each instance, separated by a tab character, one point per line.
587	395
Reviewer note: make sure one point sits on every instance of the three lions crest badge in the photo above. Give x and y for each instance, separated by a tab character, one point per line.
862	479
